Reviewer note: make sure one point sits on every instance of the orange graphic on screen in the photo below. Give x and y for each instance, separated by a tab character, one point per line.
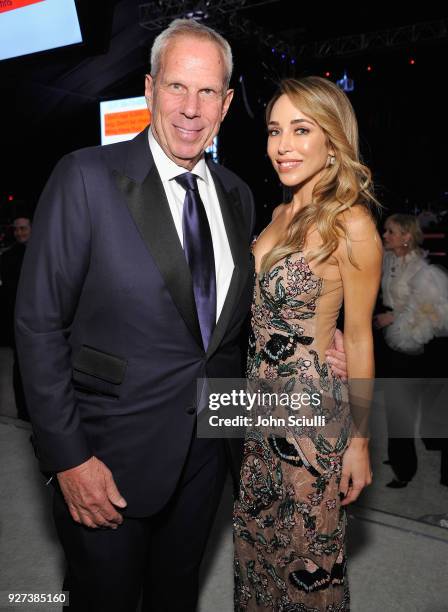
126	122
12	5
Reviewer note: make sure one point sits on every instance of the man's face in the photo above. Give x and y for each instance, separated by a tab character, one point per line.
22	229
187	98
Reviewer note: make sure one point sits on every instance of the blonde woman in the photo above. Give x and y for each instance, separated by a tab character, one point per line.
321	249
415	294
414	290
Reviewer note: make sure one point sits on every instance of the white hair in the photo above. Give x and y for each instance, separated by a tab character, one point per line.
190	27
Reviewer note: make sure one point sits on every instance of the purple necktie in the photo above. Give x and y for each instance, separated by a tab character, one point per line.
198	247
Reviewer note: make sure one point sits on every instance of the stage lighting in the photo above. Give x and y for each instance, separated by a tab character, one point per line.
345	83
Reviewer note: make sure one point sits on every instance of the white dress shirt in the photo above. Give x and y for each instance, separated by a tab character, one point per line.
175	193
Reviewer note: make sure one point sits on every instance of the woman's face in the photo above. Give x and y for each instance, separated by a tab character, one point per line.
297	146
394	238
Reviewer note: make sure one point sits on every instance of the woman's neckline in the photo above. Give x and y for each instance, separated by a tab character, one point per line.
260	275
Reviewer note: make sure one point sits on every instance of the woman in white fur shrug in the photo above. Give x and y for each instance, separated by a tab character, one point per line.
415	291
416	296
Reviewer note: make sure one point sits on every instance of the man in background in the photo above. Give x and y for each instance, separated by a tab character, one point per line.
10	268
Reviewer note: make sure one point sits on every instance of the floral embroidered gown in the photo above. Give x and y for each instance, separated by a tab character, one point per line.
289	525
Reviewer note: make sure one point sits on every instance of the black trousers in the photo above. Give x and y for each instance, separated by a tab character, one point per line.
19	395
402	404
155	558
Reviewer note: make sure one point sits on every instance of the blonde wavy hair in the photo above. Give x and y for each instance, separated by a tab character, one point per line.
345	183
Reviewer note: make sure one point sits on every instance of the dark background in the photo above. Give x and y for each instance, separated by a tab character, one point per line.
50	100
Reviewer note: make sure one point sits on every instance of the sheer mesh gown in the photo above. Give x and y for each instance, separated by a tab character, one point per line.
289	525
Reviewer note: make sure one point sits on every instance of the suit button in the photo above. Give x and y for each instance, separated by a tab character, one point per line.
191	410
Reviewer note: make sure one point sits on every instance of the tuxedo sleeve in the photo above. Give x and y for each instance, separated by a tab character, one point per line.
53	273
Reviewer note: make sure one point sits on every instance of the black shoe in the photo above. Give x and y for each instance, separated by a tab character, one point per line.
397	484
386	462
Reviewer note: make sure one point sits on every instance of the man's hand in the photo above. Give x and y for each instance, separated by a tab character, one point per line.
91	494
336	356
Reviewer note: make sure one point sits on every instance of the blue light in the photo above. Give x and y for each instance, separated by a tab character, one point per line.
212	150
345	83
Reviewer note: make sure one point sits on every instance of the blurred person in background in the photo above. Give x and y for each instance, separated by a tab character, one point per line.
415	299
10	268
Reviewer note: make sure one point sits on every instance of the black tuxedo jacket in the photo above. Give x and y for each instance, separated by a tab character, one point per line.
106	325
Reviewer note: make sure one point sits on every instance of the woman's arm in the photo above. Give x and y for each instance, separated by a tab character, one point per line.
361	280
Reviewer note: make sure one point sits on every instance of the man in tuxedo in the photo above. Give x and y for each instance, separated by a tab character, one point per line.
135	285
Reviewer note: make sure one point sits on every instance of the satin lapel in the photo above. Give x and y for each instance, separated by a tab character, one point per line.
234	223
149	208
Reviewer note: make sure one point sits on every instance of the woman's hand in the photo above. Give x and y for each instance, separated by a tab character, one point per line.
356	470
383	319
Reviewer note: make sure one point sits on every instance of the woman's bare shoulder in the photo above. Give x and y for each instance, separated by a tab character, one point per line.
359	222
358	214
362	238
